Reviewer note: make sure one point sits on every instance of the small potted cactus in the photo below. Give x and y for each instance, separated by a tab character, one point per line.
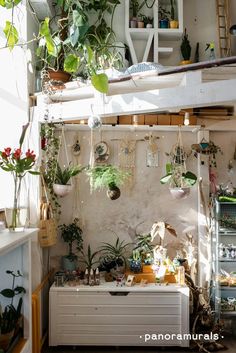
135	262
185	49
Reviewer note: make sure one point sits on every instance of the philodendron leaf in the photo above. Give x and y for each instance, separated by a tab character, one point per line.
45	31
11	34
166	179
100	82
71	63
190	178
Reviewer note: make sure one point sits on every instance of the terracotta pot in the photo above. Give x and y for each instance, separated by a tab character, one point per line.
59	75
113	193
62	190
140	24
180	193
174	24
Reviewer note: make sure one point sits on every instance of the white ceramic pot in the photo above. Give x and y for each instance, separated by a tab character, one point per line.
62	190
148	25
180	193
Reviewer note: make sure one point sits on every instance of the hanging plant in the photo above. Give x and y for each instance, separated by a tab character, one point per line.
177	177
50	145
61	185
109	177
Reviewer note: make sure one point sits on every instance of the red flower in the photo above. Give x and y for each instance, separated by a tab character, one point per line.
17	153
7	151
4	155
30	154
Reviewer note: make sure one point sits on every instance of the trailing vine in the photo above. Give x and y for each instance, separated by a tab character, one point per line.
50	146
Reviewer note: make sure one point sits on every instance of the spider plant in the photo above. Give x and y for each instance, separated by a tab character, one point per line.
115	254
63	176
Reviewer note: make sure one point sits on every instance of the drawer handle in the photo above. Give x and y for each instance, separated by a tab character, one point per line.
120	294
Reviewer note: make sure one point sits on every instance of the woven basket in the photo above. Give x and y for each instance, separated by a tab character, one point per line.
47	234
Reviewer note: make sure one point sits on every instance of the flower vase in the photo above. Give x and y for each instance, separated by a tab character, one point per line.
16	218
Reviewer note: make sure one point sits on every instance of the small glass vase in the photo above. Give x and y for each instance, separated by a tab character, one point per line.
16	218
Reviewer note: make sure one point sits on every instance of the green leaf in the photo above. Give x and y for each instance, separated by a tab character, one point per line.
166	179
11	34
190	178
22	137
90	54
74	35
169	168
100	82
3	3
34	172
8	293
71	63
45	31
77	18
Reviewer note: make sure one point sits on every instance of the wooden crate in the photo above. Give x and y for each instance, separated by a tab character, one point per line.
150	119
138	119
163	119
176	120
110	120
125	120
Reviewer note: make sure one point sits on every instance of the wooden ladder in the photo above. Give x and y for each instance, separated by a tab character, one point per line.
222	9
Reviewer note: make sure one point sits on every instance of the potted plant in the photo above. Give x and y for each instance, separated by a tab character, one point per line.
113	256
89	258
180	181
173	22
148	21
80	33
135	7
109	177
135	262
61	186
185	49
164	17
11	316
72	235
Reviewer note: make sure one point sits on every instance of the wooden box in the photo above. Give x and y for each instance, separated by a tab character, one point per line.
163	119
110	120
177	120
138	119
150	119
125	120
193	120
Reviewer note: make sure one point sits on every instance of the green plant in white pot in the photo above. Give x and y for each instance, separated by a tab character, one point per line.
72	235
180	181
62	185
109	177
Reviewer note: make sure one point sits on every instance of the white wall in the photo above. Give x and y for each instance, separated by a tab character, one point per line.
146	203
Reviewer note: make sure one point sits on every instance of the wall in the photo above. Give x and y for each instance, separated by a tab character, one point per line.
139	208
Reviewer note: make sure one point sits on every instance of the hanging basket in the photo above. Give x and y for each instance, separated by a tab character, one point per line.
47	234
62	190
180	193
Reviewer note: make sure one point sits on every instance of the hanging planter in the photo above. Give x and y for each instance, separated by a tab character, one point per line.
179	179
109	177
61	187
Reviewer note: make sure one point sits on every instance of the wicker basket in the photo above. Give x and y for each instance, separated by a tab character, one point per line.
47	234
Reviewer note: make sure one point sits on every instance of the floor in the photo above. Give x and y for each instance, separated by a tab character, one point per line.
230	343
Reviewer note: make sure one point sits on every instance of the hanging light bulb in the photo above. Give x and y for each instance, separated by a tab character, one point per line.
94	122
186	118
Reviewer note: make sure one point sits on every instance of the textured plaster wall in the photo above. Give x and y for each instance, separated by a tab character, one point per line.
146	203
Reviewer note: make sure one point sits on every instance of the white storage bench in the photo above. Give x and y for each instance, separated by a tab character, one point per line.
119	316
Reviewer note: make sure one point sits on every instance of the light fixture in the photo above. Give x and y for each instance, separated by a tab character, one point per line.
232	30
186	118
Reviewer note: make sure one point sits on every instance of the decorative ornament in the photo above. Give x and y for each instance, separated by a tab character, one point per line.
101	152
152	159
76	148
94	122
127	158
